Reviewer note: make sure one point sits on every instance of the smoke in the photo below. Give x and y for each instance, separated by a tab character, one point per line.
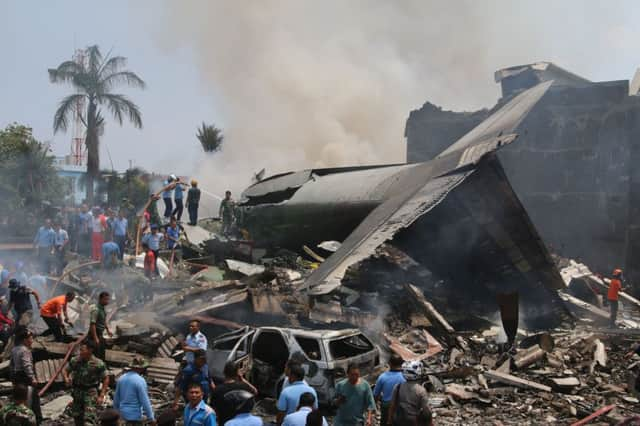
317	84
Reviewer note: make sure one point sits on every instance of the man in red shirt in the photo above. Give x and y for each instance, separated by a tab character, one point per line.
615	287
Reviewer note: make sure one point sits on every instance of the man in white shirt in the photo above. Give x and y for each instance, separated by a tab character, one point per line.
299	418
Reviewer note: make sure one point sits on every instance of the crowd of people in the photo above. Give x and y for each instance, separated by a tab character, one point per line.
103	233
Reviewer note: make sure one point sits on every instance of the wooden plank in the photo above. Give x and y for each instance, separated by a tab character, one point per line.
431	312
119	358
529	356
515	381
586	420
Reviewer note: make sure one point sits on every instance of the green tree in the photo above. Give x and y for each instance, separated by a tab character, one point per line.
94	81
210	137
29	183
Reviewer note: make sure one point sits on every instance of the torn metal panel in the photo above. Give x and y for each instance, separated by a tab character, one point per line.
382	224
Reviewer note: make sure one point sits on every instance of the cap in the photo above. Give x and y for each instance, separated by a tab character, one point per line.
617	271
138	362
13	283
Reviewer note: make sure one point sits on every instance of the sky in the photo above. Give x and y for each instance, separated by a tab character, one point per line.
295	84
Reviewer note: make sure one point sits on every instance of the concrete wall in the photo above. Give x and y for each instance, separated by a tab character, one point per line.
573	168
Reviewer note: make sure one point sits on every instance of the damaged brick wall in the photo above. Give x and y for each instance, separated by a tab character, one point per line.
573	168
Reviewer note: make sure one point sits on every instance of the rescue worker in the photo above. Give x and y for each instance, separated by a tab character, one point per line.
43	244
385	384
290	396
409	400
243	403
61	241
227	213
16	412
193	201
110	253
20	301
615	287
131	397
178	194
197	412
21	369
52	312
166	197
85	373
197	372
121	232
153	240
194	341
173	237
98	324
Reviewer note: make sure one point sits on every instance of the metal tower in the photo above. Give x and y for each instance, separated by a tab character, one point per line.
78	148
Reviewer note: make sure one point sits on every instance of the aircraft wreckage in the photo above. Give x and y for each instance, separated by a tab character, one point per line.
456	215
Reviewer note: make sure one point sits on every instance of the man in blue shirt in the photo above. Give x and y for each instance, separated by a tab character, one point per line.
194	342
131	397
83	227
198	372
385	384
43	243
196	412
290	396
110	253
153	240
243	403
177	197
299	418
120	231
166	197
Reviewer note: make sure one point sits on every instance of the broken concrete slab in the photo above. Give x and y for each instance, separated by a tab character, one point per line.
244	268
460	392
565	384
515	381
54	409
529	356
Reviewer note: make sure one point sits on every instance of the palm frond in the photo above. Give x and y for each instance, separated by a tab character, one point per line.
128	77
65	108
112	65
210	137
65	72
120	105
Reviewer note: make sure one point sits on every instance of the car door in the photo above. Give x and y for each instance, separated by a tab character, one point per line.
233	346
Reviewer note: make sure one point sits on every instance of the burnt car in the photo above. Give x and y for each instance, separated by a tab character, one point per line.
263	352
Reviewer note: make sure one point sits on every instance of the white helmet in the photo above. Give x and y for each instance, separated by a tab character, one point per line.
172	177
412	370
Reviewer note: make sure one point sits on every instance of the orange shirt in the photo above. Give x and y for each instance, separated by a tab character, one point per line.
614	288
53	307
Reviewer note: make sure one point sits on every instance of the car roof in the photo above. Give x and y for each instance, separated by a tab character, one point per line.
321	334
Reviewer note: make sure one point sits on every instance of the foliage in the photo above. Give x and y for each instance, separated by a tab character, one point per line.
210	137
130	185
93	81
29	183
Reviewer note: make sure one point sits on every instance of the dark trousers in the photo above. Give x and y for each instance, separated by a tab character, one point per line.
168	207
120	240
384	413
177	212
193	214
84	244
54	328
101	348
613	306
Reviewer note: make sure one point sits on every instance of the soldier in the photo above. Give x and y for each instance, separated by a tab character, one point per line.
16	412
20	301
87	371
227	212
98	324
193	201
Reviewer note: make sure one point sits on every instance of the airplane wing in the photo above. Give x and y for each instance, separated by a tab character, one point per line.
423	188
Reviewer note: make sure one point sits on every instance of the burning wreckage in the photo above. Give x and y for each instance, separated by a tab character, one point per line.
438	263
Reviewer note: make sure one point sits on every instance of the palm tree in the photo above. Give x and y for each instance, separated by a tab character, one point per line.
94	80
210	137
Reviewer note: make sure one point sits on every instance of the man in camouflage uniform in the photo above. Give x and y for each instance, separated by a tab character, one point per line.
16	412
98	324
87	372
227	213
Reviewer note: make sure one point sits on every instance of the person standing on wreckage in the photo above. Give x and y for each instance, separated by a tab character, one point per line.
84	374
167	197
98	324
615	287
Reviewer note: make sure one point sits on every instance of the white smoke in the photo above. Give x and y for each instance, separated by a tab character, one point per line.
331	83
